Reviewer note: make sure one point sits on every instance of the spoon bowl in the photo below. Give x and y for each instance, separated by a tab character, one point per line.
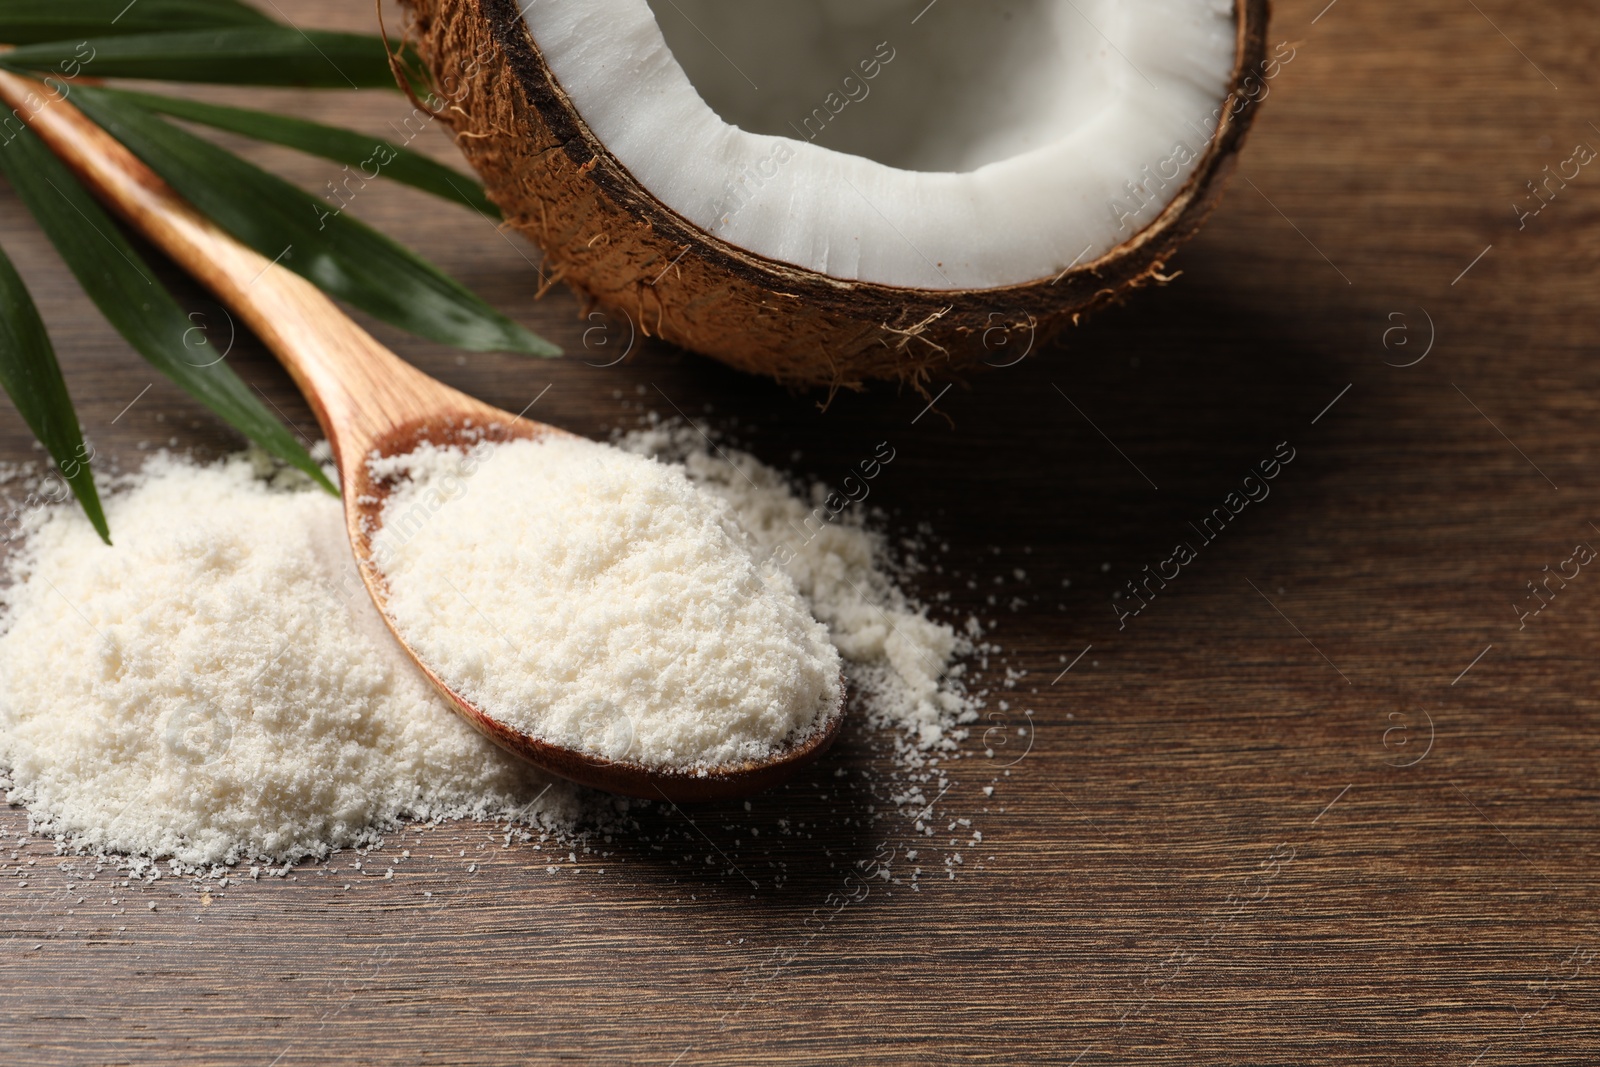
370	403
365	497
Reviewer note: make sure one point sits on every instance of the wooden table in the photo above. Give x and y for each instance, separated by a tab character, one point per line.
1324	800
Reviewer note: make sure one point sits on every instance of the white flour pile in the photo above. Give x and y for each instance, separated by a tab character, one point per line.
899	660
598	600
217	687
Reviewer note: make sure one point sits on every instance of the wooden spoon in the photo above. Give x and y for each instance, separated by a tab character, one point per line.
369	402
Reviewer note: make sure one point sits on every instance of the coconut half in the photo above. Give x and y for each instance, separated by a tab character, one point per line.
831	191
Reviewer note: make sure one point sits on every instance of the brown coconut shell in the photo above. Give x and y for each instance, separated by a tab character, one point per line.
605	235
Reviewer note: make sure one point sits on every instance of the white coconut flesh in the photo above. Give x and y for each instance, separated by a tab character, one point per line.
958	144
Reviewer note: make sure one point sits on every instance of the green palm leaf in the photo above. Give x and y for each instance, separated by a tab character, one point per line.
309	236
36	21
123	286
383	158
250	55
32	378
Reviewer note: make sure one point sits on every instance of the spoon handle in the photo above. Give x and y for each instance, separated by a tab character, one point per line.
357	387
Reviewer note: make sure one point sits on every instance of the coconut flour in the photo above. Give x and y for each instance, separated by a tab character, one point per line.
218	687
599	600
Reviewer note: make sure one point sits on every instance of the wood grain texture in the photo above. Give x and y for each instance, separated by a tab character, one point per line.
1134	898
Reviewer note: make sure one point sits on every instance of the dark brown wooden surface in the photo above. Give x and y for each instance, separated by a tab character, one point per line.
1124	905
